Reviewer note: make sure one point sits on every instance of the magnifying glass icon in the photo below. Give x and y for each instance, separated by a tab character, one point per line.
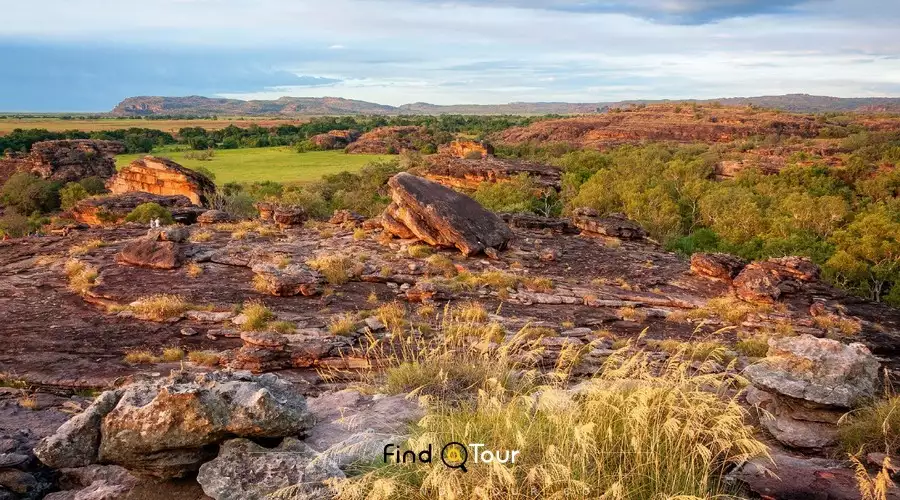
455	455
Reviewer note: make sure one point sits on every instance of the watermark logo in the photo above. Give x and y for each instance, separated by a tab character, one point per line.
454	455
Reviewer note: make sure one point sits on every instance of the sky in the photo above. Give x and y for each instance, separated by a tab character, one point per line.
87	55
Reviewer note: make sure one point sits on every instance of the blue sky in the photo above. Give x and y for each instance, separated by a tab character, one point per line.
86	55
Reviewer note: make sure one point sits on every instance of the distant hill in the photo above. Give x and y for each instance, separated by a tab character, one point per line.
318	106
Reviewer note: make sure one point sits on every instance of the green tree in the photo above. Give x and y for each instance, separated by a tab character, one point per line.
145	212
28	193
867	254
71	194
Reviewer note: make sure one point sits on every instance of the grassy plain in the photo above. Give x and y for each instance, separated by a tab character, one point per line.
9	124
281	164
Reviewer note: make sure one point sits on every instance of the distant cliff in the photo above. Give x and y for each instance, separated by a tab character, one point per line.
319	106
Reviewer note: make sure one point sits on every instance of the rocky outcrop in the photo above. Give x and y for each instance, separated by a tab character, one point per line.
613	225
807	384
335	139
162	176
151	253
168	427
442	217
288	280
769	280
468	173
289	216
213	217
346	217
113	209
66	160
391	140
720	266
468	149
537	222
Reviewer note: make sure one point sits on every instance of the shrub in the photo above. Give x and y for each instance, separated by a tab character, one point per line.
71	194
93	185
146	212
14	224
872	428
27	193
283	327
419	251
519	194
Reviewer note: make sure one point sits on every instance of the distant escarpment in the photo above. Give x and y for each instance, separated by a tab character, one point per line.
205	106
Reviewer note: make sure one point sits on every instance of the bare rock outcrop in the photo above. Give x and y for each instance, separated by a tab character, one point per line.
168	427
721	266
151	253
468	149
613	225
391	140
442	217
769	280
66	160
162	176
806	383
113	209
468	173
335	139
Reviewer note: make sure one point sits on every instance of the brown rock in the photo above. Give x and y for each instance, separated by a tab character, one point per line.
391	140
442	217
335	139
720	266
394	226
266	210
113	209
289	216
151	253
469	173
294	279
537	222
614	225
162	176
213	217
341	217
468	149
768	280
65	160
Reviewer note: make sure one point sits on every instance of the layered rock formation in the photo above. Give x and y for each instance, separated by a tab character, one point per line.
769	280
113	209
391	140
612	225
65	160
721	266
335	139
468	149
162	176
469	173
441	217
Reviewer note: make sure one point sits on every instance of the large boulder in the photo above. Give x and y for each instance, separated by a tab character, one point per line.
113	209
168	427
335	139
162	176
442	217
467	149
613	225
67	160
152	253
287	281
769	280
823	371
721	266
245	470
469	173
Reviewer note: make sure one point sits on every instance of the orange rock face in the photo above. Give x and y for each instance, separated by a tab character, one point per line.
162	176
468	149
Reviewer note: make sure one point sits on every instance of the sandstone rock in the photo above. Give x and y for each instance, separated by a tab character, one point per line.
537	222
467	149
796	423
164	177
76	442
720	266
469	173
341	217
176	234
360	447
151	253
245	470
213	217
335	139
822	371
390	140
113	209
18	481
66	160
393	226
266	210
768	280
614	225
442	217
289	216
168	427
293	279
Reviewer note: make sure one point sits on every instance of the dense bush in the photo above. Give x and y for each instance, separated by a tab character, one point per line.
146	212
27	193
71	194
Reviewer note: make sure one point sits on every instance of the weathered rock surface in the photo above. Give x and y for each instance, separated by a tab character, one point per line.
442	217
66	160
152	253
289	280
391	140
162	176
245	470
720	266
289	216
537	222
167	427
341	217
468	173
467	149
614	225
213	217
335	139
822	371
175	234
769	280
796	423
113	209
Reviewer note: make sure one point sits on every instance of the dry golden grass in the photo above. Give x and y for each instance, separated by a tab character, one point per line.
28	401
193	270
81	276
84	248
634	314
160	307
283	327
205	358
373	298
873	428
359	234
442	265
342	324
393	315
140	358
832	323
260	283
544	285
729	309
337	269
172	354
874	488
755	346
419	251
258	316
200	236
